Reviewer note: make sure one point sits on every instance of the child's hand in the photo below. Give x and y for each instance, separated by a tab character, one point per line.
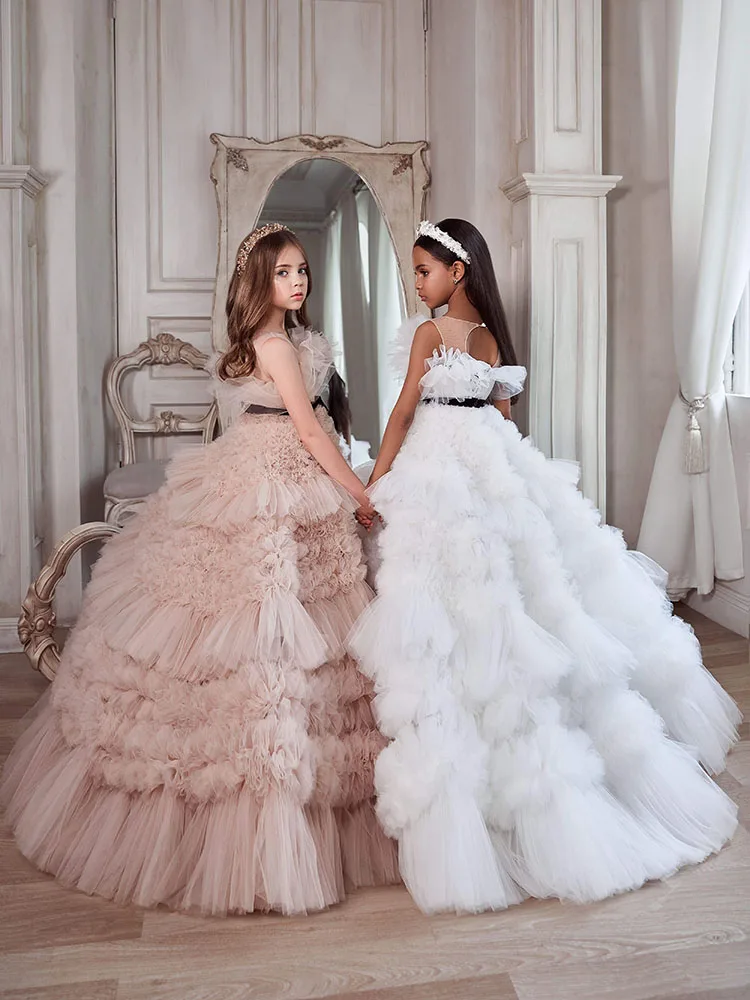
365	513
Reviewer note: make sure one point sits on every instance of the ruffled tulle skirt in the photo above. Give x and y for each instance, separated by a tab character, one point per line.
208	742
552	727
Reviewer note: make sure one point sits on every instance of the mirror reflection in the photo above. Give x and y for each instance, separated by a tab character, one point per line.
357	299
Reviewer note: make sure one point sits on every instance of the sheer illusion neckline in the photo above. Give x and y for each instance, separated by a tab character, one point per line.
452	340
456	319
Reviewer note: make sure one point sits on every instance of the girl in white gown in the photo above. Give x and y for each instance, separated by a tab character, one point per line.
552	726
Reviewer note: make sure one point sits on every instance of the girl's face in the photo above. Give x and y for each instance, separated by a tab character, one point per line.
290	279
434	279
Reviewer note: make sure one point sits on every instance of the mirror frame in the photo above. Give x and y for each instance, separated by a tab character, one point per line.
244	170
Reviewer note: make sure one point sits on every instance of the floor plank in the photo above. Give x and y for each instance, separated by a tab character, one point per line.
103	990
479	988
656	976
683	939
49	915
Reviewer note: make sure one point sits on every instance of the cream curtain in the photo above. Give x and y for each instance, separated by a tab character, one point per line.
386	308
359	348
741	350
691	524
333	322
363	308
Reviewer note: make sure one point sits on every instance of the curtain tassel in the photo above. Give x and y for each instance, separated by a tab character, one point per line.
695	451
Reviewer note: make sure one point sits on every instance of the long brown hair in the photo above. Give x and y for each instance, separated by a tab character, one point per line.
248	300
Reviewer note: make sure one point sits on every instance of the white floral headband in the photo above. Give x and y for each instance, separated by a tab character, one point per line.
428	229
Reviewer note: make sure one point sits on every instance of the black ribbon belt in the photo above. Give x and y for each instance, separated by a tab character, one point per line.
256	409
474	403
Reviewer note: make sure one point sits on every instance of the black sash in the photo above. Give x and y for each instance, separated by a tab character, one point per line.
256	409
474	403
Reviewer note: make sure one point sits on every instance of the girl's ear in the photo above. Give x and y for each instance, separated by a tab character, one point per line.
458	270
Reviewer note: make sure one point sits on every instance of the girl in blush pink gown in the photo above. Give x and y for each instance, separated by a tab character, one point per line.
207	743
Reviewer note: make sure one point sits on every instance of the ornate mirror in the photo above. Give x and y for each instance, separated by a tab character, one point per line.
355	208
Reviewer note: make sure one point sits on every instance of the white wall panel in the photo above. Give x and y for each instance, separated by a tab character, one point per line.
352	47
264	68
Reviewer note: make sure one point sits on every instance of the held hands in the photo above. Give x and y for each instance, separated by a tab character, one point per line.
365	513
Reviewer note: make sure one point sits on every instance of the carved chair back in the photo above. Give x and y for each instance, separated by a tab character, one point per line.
164	349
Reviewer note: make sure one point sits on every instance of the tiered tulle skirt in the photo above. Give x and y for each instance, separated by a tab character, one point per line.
552	724
208	743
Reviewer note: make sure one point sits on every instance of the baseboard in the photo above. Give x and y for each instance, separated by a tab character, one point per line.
724	606
9	641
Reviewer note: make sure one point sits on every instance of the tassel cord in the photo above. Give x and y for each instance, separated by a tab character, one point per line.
695	458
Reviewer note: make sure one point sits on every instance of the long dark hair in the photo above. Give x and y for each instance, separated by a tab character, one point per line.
248	300
480	281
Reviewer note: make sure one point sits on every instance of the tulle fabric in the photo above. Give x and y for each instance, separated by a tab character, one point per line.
235	395
208	743
551	723
454	374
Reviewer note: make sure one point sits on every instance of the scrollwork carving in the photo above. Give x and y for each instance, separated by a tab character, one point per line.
168	422
235	157
402	164
321	145
36	625
166	349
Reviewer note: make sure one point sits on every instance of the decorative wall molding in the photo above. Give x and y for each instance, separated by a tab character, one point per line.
13	82
20	403
21	490
9	641
174	264
565	347
560	185
567	66
267	69
369	54
23	177
557	238
521	71
726	606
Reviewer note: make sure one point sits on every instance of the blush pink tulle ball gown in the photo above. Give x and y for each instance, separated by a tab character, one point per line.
207	743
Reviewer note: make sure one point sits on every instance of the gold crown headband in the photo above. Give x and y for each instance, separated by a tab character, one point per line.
254	237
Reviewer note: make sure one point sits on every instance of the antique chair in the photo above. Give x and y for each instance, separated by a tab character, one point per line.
128	486
124	489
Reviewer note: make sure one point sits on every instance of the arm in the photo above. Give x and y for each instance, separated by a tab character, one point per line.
280	362
426	339
503	405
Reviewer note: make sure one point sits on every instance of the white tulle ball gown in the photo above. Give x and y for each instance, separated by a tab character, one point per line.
207	743
552	726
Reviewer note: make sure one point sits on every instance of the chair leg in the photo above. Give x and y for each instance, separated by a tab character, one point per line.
36	626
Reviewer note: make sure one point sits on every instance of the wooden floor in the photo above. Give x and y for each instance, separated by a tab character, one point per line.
686	938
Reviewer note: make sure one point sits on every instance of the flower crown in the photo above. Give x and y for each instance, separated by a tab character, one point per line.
428	229
254	237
